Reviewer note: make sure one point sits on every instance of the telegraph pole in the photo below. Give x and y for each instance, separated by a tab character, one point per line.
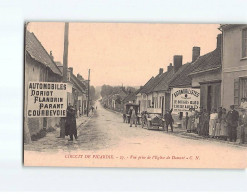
65	70
88	90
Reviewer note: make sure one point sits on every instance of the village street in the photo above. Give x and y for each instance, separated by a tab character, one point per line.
105	133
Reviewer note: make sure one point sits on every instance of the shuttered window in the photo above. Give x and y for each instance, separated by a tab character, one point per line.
244	43
236	91
243	87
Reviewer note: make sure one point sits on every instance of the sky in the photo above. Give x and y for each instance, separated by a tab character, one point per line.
126	54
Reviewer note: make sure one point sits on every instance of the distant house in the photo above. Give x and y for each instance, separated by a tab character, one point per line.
76	92
39	66
234	64
117	98
141	96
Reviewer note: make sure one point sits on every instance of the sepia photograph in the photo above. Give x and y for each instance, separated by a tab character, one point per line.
136	95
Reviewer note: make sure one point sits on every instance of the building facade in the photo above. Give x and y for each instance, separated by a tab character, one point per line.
39	66
234	64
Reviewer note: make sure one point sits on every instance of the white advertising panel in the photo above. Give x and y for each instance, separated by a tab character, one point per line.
47	99
185	98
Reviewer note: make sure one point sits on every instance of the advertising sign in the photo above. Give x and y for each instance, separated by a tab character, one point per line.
185	98
47	99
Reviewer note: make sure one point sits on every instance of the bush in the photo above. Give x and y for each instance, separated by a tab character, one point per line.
40	134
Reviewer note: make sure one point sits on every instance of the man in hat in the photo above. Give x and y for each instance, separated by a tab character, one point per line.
232	123
169	120
70	123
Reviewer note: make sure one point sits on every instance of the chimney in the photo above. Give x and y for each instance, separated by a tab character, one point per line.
195	53
219	40
177	61
161	70
71	70
79	77
169	68
52	57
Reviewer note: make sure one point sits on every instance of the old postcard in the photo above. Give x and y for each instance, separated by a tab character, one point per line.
145	95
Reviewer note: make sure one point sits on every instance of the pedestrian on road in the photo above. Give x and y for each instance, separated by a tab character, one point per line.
70	123
243	125
169	120
232	123
133	116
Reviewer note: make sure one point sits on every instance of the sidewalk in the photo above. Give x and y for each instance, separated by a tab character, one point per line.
183	133
52	138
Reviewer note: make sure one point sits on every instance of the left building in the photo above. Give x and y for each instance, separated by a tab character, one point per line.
39	66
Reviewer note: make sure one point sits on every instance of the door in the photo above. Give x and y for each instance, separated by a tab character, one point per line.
209	99
162	105
167	101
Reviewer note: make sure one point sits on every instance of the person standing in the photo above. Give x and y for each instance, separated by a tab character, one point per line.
232	123
191	120
218	126
243	125
133	116
70	123
223	125
212	123
169	120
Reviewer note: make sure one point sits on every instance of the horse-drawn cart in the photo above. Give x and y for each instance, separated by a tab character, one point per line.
126	116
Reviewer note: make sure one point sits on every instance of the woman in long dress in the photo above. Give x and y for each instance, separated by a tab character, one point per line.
223	125
218	126
212	123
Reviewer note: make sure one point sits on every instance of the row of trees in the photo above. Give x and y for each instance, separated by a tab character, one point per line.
107	90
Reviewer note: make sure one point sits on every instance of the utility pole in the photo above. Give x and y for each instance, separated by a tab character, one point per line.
65	70
88	90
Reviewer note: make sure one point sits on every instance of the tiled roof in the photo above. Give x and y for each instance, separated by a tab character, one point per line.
131	96
208	61
157	80
146	86
35	49
182	78
164	83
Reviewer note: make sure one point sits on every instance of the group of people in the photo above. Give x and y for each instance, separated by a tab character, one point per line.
218	124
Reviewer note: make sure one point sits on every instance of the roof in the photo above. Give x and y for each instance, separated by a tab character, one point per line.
207	62
157	80
147	85
164	83
35	49
131	96
182	77
78	83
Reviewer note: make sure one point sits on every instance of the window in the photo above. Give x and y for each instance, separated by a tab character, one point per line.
240	90
236	91
243	88
244	43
